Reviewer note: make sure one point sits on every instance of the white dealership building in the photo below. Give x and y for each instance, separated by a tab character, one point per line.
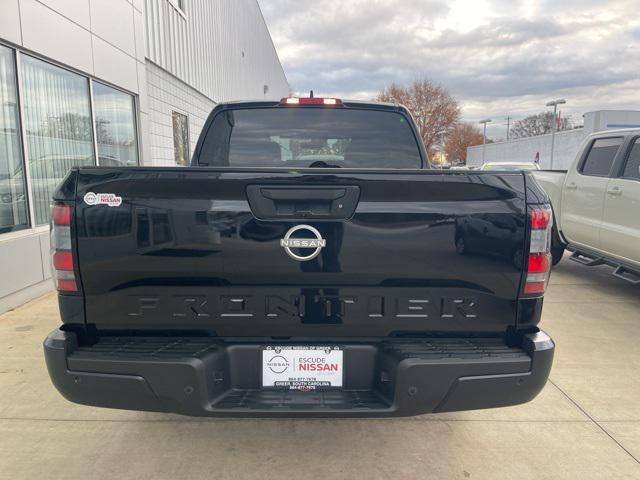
110	82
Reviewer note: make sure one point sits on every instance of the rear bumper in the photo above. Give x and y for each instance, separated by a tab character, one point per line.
213	377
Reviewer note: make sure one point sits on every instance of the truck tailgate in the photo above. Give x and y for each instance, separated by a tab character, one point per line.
201	250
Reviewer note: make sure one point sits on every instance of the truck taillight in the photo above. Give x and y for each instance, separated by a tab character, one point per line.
539	261
62	264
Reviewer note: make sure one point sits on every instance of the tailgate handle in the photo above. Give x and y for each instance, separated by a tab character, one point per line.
302	194
271	202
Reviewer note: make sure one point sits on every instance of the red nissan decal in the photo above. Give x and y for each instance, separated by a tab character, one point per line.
318	367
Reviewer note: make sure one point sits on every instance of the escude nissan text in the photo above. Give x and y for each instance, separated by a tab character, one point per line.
308	263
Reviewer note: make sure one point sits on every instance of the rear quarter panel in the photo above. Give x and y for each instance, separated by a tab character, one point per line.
552	183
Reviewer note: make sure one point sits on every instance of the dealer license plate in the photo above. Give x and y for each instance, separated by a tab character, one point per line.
302	367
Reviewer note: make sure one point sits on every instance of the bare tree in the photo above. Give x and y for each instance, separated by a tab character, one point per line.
461	136
70	126
538	124
432	106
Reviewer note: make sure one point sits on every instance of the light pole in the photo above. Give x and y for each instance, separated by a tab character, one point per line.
484	135
554	104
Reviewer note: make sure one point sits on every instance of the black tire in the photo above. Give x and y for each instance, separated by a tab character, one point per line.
557	246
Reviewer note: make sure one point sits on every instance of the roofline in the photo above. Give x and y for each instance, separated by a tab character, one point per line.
611	110
275	50
347	103
616	131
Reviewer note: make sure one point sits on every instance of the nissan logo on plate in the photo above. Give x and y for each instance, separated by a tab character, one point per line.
278	364
317	243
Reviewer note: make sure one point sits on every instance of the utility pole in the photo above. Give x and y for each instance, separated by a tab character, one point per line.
554	104
484	135
508	125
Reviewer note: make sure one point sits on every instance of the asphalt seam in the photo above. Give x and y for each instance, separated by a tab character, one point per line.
579	407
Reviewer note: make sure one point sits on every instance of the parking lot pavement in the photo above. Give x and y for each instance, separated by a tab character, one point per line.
585	424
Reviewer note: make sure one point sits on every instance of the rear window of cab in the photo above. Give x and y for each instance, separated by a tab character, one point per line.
309	138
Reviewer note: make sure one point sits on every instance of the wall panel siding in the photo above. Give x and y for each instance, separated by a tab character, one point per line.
10	21
567	144
21	259
222	48
169	94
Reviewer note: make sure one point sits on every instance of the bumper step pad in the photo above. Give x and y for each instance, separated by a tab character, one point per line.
293	400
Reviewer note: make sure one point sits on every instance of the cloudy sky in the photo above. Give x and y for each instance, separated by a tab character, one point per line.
497	57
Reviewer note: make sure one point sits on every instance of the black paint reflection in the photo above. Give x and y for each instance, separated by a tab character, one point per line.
329	258
324	304
491	235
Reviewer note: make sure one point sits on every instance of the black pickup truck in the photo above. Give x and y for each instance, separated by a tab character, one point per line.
308	263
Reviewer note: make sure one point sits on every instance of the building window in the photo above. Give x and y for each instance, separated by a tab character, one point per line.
13	197
57	122
180	138
115	127
55	132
